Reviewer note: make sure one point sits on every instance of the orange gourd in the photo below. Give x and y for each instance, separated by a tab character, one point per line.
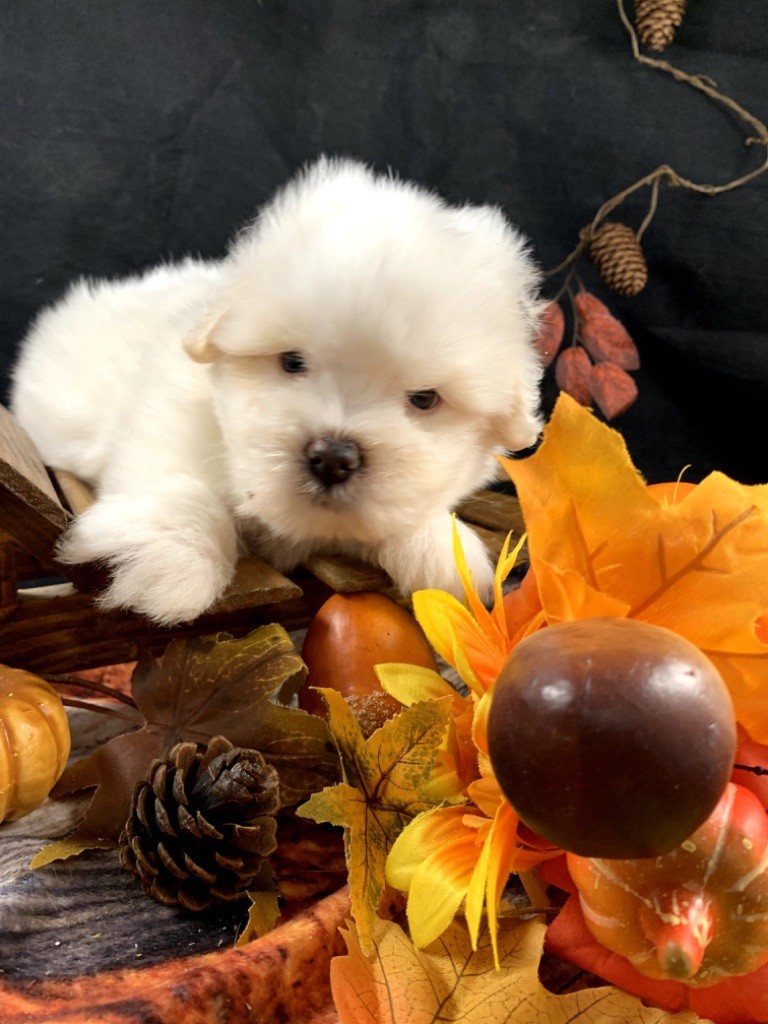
671	492
34	741
348	637
698	914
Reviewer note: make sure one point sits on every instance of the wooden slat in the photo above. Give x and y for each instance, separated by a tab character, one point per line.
348	575
8	579
66	632
18	451
26	567
493	510
255	584
29	508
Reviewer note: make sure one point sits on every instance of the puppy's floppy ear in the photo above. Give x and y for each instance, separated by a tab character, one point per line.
200	344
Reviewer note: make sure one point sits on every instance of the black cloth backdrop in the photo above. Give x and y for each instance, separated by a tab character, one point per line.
138	130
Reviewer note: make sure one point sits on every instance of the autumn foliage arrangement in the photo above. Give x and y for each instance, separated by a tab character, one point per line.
425	814
453	869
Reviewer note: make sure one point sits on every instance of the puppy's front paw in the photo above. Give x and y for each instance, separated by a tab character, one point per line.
424	560
165	565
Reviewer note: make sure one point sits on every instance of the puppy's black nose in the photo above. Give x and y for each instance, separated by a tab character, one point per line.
332	460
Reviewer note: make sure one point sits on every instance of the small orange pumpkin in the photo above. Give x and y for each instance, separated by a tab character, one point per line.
698	914
671	492
348	637
34	741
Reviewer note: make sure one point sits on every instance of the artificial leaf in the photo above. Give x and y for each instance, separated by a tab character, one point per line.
606	338
573	371
264	910
612	388
458	638
382	791
551	330
449	981
262	916
567	596
698	567
456	765
589	307
203	687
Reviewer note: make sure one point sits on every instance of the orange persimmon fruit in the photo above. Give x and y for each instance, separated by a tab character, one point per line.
349	636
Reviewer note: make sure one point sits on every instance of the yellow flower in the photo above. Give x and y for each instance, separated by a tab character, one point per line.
460	854
475	641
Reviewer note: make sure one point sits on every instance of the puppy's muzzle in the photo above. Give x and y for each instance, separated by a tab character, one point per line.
333	460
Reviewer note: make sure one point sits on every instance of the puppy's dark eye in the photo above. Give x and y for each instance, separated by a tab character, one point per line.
292	362
424	400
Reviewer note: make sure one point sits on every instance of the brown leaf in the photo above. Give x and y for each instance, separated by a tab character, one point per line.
551	331
573	370
204	687
613	390
588	305
608	340
449	982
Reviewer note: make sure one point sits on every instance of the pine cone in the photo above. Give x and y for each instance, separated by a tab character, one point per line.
201	824
656	21
618	257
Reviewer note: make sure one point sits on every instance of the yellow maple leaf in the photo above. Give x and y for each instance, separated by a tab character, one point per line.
449	982
263	915
382	791
601	544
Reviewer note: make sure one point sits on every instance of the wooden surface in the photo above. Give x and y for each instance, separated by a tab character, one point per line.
29	508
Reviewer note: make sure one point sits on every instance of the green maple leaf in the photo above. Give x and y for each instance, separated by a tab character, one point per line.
203	687
380	792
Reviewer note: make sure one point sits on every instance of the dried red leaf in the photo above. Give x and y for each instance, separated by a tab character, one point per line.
587	306
551	331
612	389
607	339
573	372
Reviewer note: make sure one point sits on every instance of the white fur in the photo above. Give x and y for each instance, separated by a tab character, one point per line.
165	391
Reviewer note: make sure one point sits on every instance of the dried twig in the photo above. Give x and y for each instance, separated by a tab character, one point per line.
665	173
88	684
101	709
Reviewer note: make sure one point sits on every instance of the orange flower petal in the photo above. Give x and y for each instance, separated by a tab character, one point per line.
432	860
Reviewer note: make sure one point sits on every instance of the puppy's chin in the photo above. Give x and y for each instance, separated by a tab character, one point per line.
345	512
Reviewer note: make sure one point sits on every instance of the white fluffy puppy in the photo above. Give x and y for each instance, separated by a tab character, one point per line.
339	381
